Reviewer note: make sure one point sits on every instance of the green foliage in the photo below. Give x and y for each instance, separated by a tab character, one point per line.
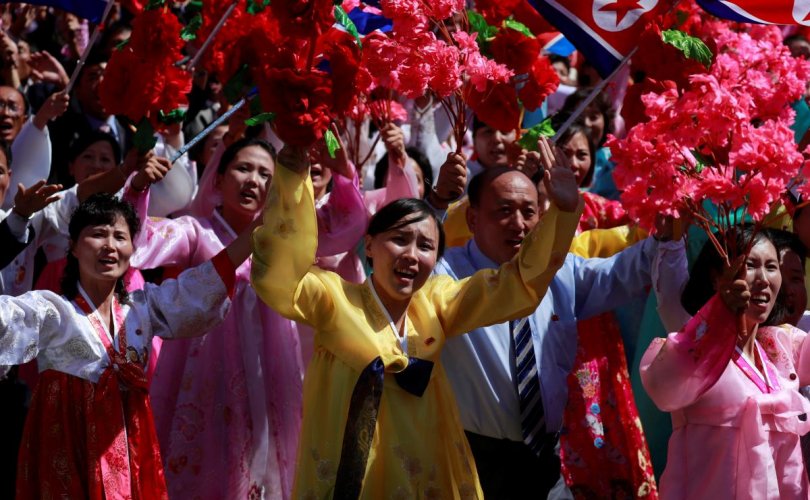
259	119
692	48
144	138
344	20
528	140
257	6
332	143
189	31
235	87
518	26
173	116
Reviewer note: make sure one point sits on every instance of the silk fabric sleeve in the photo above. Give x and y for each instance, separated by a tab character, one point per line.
342	219
677	370
25	324
511	291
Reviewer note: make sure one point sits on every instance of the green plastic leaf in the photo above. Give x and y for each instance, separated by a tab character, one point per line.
528	140
257	6
123	43
259	119
344	20
701	162
479	25
189	32
144	138
332	143
173	116
235	87
692	48
518	26
154	4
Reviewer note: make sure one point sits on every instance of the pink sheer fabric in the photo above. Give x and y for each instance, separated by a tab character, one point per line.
227	405
731	439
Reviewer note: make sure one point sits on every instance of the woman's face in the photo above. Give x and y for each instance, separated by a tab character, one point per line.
403	258
764	280
97	158
793	286
579	155
103	251
245	181
595	120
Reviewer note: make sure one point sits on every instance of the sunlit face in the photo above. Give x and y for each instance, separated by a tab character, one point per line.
764	280
103	251
491	146
579	155
245	182
5	177
793	286
97	158
318	173
12	113
594	120
403	258
507	211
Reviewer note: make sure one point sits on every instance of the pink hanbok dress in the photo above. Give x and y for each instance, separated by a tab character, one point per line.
736	429
228	405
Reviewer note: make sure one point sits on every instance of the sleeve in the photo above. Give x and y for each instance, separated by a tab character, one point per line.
282	272
24	321
175	191
515	289
31	158
606	242
53	220
677	370
602	285
12	244
17	227
162	242
342	220
670	271
400	183
192	304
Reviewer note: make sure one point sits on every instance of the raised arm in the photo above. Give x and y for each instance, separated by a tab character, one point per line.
670	271
284	246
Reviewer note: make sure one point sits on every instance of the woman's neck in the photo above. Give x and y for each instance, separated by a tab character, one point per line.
396	308
101	294
319	192
748	343
239	221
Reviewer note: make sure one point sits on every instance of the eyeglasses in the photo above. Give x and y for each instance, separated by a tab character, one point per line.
11	108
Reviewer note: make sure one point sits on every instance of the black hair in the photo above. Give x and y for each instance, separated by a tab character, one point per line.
795	38
484	178
602	103
80	144
381	169
578	127
710	264
785	240
232	150
555	58
98	209
96	57
400	213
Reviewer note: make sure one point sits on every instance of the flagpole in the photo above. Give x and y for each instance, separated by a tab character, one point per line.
89	47
589	99
211	37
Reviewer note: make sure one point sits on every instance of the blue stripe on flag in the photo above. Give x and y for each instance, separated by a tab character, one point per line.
92	10
721	10
366	22
600	58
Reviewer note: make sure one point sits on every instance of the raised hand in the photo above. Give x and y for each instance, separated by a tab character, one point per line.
340	164
46	68
153	170
394	140
451	182
53	108
733	288
559	178
29	201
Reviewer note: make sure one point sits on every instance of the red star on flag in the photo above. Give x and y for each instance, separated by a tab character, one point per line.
621	8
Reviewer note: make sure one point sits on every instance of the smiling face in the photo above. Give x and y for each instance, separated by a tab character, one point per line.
764	280
245	181
403	258
97	158
578	152
506	212
491	146
103	251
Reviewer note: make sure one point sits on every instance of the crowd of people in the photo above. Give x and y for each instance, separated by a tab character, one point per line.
263	320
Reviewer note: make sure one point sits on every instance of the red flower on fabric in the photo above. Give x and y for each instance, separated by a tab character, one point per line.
514	49
497	105
542	82
301	102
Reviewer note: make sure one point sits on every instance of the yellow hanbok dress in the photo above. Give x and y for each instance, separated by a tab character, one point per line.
380	422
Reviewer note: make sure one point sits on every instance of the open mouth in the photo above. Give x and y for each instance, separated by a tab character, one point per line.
249	195
405	274
761	300
108	261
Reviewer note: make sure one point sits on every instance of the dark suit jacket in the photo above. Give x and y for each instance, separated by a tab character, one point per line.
10	247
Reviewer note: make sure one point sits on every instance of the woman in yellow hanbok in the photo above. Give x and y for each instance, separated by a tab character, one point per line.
380	420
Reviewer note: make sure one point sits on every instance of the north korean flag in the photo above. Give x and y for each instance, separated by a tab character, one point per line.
760	11
605	31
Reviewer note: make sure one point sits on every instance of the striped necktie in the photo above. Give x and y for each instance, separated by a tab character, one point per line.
527	382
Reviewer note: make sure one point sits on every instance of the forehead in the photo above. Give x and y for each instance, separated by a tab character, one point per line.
255	155
577	141
10	94
99	147
426	227
763	249
117	224
509	186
